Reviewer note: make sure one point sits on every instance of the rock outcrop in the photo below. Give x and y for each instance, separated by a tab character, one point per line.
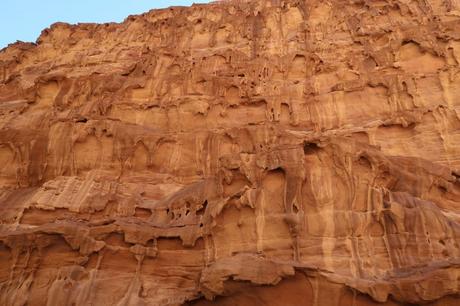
235	153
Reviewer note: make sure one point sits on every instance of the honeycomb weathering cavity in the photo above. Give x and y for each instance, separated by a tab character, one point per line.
235	153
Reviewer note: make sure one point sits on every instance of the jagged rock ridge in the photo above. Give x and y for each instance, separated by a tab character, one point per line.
235	153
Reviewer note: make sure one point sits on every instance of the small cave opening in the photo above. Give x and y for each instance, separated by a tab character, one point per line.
295	209
82	120
310	148
443	189
364	161
202	209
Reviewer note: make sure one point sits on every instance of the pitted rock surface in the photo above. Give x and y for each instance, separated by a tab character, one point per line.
235	153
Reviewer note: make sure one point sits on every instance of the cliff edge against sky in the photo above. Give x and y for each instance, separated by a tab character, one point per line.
235	153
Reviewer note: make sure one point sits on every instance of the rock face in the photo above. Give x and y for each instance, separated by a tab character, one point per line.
235	153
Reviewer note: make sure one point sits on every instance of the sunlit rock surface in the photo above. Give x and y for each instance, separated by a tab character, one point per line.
235	153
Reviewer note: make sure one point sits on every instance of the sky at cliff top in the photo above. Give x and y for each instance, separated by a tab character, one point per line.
25	19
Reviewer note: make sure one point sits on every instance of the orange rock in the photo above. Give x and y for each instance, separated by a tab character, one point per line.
235	153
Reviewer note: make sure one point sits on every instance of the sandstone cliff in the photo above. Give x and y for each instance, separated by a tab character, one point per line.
235	153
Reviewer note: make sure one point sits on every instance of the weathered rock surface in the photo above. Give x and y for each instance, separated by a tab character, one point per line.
235	153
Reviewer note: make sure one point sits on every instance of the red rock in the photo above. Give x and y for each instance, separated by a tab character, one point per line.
235	153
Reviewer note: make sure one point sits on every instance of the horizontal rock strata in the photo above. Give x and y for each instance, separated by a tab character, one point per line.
235	153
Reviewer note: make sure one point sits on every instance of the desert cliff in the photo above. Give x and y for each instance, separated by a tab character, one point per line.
235	153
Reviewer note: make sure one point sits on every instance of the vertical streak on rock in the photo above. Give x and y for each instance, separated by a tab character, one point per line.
260	220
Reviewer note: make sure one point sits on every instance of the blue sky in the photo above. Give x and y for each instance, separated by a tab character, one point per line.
25	19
